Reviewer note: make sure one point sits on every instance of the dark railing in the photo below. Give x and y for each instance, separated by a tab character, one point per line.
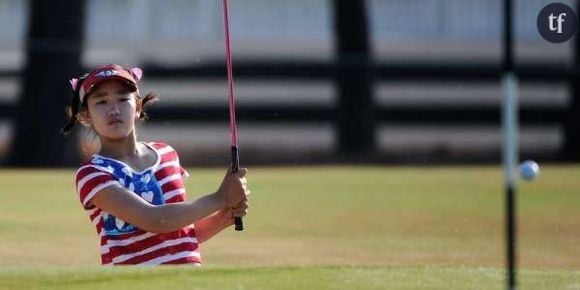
311	71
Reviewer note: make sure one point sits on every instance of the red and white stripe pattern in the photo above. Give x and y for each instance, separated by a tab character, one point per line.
139	247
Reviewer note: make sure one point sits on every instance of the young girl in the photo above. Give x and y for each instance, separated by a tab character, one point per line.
133	191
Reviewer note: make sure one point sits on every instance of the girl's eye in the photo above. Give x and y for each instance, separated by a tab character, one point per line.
101	102
125	99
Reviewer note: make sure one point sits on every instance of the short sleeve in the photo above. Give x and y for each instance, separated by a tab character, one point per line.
184	173
90	179
169	155
182	170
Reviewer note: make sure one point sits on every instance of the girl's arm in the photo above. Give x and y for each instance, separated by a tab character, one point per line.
129	207
208	227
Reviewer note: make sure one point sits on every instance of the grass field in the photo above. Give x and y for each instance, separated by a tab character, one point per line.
316	228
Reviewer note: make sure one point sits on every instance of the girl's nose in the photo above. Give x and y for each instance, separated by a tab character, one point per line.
114	110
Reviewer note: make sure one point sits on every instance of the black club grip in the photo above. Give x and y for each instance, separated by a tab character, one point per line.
238	222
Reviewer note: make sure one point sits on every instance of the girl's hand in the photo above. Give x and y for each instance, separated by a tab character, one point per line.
227	215
241	209
233	189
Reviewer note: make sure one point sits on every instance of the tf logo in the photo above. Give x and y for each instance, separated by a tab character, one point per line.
557	22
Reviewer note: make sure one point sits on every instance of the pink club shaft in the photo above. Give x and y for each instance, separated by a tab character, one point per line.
231	96
239	224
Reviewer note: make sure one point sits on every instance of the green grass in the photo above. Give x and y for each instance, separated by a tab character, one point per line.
344	277
339	227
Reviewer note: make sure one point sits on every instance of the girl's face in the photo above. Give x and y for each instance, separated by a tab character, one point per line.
112	109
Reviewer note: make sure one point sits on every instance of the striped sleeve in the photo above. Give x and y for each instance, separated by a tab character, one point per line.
170	156
90	179
184	173
182	170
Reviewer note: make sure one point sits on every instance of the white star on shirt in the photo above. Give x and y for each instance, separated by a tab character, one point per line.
146	178
127	171
119	223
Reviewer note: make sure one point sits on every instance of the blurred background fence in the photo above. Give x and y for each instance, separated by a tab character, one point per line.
316	81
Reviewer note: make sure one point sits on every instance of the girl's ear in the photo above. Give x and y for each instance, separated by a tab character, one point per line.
84	118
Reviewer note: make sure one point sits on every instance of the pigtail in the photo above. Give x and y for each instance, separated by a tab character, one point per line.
72	111
149	99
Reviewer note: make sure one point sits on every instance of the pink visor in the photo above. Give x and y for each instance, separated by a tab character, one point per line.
105	73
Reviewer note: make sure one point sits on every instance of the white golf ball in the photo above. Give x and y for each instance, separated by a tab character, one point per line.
529	170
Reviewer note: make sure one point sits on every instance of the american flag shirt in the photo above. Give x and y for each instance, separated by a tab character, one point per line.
123	243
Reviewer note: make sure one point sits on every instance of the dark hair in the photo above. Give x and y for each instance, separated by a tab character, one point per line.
72	111
149	99
76	106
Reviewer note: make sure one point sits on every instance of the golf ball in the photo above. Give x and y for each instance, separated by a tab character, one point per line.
529	170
